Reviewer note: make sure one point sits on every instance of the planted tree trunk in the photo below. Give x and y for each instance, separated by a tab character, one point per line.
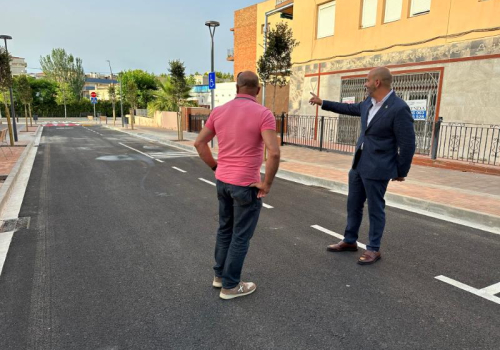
114	114
132	118
31	116
26	117
179	126
274	98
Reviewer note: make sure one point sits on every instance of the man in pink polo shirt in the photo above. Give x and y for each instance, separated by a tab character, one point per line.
242	127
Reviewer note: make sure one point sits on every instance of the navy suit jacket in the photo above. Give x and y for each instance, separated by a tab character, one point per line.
389	140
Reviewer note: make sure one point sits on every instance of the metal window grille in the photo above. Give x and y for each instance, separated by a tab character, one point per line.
412	86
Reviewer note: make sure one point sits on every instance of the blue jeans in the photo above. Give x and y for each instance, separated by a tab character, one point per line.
239	210
361	189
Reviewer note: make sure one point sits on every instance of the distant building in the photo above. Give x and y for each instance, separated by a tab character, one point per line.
18	66
37	75
224	92
99	84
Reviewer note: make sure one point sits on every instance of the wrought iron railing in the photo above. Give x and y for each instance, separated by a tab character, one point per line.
474	143
325	133
458	141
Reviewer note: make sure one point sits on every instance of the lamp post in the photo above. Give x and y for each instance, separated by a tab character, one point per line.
12	110
210	25
121	95
114	91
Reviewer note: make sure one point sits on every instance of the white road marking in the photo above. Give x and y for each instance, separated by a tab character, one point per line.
178	169
493	289
335	234
159	160
5	238
133	149
208	182
483	293
267	206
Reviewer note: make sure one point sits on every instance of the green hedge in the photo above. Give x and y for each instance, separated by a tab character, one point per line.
74	110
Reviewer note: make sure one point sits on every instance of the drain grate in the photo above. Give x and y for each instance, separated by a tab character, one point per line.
15	224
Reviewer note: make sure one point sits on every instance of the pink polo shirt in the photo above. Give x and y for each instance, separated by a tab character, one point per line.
238	125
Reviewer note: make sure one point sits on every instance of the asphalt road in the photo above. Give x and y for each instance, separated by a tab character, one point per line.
119	255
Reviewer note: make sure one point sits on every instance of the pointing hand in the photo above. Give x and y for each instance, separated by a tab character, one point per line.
315	100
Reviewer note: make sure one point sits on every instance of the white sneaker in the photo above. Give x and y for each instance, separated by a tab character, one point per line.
242	289
217	283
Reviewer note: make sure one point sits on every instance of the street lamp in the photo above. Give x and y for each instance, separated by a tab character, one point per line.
121	97
210	25
12	110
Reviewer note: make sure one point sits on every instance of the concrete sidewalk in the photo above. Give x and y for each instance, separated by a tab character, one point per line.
12	160
466	198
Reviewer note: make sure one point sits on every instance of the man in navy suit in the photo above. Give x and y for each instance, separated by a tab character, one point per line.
384	152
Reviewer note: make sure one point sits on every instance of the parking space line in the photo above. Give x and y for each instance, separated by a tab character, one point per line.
335	234
479	292
178	169
493	289
208	182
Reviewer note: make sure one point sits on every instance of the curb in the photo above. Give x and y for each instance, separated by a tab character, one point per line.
8	185
470	218
485	222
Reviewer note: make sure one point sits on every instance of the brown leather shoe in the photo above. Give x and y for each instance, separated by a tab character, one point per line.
342	247
369	258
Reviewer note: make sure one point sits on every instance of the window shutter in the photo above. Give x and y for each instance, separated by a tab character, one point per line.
369	16
393	9
420	6
326	20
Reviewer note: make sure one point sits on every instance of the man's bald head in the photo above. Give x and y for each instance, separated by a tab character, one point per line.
383	75
248	83
378	83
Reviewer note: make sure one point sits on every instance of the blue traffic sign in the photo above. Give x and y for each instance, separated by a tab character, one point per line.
211	80
93	100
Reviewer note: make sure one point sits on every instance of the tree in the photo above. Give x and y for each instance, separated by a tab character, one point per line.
65	96
25	95
274	65
112	96
44	96
180	90
5	84
163	96
145	82
221	77
131	95
67	71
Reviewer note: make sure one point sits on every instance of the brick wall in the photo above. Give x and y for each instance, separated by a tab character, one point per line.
245	40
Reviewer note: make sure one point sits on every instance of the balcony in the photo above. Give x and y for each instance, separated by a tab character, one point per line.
279	2
230	55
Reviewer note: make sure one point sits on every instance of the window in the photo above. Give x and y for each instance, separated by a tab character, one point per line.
263	27
420	7
369	16
393	10
326	19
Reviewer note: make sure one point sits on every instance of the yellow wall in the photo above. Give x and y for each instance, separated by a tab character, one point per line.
262	8
349	37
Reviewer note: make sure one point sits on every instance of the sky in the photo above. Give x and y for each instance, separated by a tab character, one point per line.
143	34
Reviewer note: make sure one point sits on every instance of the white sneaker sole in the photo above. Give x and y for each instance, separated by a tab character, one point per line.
232	296
217	284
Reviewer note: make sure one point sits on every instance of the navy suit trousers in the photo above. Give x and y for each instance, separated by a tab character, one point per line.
361	189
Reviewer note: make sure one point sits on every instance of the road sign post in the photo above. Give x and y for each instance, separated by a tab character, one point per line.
93	100
211	86
211	81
